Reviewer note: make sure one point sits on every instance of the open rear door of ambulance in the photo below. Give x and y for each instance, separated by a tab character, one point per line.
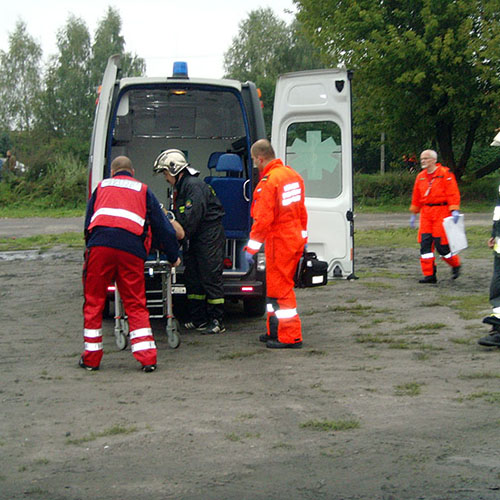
312	132
97	156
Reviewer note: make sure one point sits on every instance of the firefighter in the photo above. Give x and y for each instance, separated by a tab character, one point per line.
280	222
122	217
493	338
435	196
199	212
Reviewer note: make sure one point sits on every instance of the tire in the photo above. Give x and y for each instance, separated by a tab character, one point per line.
172	331
254	307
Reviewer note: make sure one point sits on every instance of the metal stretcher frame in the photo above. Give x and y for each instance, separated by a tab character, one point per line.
156	300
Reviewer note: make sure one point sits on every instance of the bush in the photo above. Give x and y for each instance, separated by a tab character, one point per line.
62	184
393	188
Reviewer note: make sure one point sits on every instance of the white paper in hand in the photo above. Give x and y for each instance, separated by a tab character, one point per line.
455	234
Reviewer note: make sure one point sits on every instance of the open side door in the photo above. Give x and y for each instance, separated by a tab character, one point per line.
312	132
97	156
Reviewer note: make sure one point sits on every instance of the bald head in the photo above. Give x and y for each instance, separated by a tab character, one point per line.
263	148
121	163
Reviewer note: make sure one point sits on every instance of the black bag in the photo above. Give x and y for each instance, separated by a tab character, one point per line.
311	271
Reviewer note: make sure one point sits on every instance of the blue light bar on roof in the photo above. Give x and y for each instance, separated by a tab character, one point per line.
180	69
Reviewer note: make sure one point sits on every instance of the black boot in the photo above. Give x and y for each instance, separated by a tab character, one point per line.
428	279
455	272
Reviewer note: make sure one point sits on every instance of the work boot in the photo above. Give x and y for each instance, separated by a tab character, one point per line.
428	279
87	367
264	337
455	272
490	340
492	320
149	368
276	344
191	325
215	326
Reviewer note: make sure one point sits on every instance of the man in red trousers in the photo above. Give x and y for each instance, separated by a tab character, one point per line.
122	216
435	196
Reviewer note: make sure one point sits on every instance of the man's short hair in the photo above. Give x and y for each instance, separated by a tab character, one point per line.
263	148
121	163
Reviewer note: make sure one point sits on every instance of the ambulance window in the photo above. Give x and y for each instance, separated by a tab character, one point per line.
314	150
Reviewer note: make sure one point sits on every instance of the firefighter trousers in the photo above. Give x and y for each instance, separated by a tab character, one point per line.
103	266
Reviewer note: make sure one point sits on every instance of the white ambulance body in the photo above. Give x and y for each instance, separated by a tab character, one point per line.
205	118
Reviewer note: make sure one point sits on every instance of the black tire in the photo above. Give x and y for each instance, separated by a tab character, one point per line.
255	306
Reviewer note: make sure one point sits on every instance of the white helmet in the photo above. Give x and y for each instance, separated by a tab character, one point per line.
171	160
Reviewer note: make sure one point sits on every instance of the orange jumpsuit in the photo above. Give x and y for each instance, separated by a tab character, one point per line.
435	196
280	222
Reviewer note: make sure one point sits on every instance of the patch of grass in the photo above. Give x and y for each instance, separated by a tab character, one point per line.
380	274
239	354
421	356
479	375
284	446
468	307
315	352
42	242
463	341
330	425
246	416
377	285
112	431
490	397
408	389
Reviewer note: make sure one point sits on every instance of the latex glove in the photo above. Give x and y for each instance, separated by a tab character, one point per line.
413	218
249	258
455	214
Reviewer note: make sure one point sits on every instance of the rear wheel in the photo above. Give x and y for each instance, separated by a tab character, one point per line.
255	306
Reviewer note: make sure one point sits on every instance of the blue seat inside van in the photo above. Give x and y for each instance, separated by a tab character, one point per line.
230	186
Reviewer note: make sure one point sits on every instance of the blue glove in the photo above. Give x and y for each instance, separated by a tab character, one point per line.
455	214
413	218
249	258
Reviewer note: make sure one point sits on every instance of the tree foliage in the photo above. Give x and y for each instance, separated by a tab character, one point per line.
20	79
264	48
45	111
427	72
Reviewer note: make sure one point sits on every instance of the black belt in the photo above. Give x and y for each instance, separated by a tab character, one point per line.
436	204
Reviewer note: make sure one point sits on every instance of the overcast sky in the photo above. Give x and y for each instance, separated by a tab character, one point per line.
160	31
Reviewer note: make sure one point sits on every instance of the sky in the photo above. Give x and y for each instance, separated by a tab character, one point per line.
159	31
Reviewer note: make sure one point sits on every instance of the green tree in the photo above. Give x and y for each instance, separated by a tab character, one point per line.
20	80
68	102
108	41
427	71
264	48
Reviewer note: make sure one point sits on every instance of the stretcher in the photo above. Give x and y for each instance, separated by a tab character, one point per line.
158	302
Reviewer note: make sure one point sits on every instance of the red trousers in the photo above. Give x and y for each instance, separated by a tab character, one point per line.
104	265
283	321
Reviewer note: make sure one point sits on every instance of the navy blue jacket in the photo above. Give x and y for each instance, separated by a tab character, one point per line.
164	237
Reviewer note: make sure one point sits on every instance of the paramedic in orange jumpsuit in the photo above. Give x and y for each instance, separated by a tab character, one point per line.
280	222
435	196
122	216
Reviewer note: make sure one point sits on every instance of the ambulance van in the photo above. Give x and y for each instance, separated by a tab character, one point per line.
215	122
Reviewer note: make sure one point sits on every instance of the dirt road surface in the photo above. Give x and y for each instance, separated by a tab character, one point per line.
33	225
390	398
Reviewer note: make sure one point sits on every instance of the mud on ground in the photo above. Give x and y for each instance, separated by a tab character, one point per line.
390	398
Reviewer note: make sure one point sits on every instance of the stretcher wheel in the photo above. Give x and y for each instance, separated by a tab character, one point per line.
172	329
121	341
121	334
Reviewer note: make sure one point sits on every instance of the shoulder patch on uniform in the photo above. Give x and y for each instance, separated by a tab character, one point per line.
264	178
188	204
